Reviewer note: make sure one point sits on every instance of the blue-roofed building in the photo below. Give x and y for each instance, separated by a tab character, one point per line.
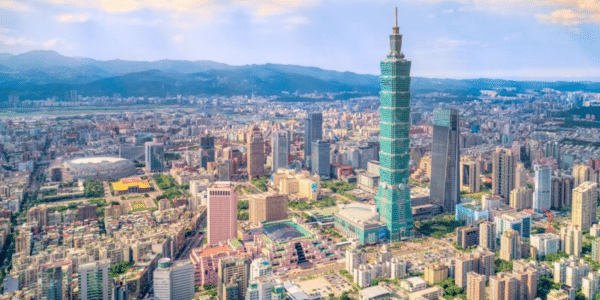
519	221
470	213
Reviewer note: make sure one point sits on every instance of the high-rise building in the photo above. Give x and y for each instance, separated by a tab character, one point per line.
596	250
313	126
436	273
268	207
487	235
520	175
545	243
583	173
585	202
475	286
281	149
510	245
503	286
467	236
445	185
221	212
256	153
503	172
562	191
570	239
207	150
542	196
94	281
521	198
393	196
260	267
470	180
264	288
174	281
480	261
234	273
155	157
55	280
320	164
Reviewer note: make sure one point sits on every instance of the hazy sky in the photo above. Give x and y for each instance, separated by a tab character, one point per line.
454	39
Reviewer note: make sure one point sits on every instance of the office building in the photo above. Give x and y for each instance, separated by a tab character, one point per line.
281	149
234	273
393	196
521	198
174	281
487	235
313	131
320	164
221	213
545	243
264	288
503	172
519	221
94	280
542	196
470	213
155	157
445	185
268	207
467	236
55	281
256	153
470	181
510	245
570	240
475	286
585	202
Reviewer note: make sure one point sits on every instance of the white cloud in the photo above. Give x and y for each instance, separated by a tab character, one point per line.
177	38
16	41
72	18
12	5
565	17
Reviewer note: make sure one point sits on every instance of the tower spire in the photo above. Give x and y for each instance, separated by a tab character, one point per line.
396	24
396	39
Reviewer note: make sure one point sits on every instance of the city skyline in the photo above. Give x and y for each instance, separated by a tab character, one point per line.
512	40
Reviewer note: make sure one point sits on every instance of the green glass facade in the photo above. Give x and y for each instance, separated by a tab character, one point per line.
393	197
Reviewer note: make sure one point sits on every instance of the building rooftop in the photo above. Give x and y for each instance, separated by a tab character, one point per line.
214	250
373	292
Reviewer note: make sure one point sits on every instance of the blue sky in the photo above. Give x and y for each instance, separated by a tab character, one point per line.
512	39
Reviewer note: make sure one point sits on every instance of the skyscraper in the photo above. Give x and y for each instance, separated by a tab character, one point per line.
445	157
94	281
313	126
585	202
503	172
393	197
469	176
542	195
233	273
155	157
320	164
221	213
173	281
281	149
510	245
256	153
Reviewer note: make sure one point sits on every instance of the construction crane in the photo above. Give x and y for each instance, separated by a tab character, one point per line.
549	218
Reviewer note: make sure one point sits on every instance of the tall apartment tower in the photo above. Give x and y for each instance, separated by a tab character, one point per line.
542	194
583	173
233	273
94	281
503	172
256	153
222	212
173	281
313	126
475	286
393	196
445	157
503	286
521	198
155	157
510	245
562	191
585	202
320	164
570	240
487	235
520	175
281	149
470	181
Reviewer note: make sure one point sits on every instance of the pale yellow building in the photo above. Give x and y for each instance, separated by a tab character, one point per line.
475	286
435	273
510	245
470	180
585	202
521	198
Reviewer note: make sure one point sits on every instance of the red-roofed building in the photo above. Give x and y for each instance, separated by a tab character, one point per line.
206	262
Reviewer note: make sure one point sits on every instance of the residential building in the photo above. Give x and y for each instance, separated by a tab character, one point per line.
503	172
545	243
475	286
510	245
234	273
570	240
470	180
521	198
487	235
585	202
519	221
479	261
256	153
467	236
435	273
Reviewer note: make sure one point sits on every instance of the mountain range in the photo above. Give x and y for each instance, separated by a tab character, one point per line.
43	74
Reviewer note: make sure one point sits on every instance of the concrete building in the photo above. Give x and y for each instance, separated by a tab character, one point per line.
281	149
475	286
562	191
467	236
585	202
256	153
479	261
313	131
173	281
510	245
260	267
268	207
521	198
503	286
374	293
221	213
320	160
234	273
583	173
487	235
360	222
432	293
558	295
94	280
590	285
519	221
545	243
436	273
445	183
570	240
542	196
155	157
503	172
470	180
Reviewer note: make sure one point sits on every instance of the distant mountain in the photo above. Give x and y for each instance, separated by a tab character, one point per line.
42	74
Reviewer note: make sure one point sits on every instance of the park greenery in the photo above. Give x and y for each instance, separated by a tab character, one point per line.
338	186
170	194
164	182
439	226
260	183
501	265
120	268
545	285
93	188
451	290
552	257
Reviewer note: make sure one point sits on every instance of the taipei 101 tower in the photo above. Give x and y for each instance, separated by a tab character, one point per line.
393	197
